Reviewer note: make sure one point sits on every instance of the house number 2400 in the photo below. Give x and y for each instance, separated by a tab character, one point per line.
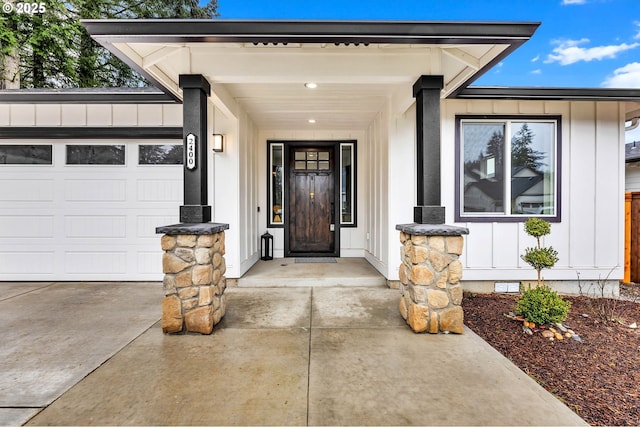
191	151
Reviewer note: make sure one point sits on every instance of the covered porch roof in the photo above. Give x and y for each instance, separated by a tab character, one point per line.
263	65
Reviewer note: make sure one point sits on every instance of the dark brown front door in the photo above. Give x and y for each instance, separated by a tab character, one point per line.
311	201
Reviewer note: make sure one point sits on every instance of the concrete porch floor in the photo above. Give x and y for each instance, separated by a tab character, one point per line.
94	354
286	272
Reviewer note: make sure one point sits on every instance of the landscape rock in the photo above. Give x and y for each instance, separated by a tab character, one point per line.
547	334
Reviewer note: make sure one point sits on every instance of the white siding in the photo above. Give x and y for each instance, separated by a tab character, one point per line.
401	197
376	186
224	186
589	238
249	182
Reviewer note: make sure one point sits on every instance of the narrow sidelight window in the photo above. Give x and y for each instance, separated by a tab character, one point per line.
276	184
347	183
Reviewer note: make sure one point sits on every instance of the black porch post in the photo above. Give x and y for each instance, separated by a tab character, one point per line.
426	90
196	89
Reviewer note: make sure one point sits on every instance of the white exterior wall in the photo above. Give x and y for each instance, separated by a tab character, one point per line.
235	186
375	166
402	183
351	238
590	237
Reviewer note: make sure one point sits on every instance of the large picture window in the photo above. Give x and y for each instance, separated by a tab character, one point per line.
508	168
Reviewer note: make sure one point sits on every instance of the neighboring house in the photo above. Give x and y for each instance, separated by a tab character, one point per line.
395	122
632	166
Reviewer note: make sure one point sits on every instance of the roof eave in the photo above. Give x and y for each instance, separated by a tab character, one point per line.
392	32
86	96
550	94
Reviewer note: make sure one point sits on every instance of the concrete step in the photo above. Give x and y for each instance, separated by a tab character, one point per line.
285	272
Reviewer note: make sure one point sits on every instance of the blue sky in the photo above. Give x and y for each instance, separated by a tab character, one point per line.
581	43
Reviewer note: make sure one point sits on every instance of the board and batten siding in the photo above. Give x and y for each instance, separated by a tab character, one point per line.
377	187
590	236
90	115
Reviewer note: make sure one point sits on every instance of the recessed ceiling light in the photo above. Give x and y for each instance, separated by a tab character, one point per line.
311	85
312	121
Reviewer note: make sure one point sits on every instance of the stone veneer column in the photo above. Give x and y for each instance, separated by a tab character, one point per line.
431	295
194	282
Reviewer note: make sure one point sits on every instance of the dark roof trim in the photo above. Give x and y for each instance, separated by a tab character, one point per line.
552	94
61	132
87	96
393	32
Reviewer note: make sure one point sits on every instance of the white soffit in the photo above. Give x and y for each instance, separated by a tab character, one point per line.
355	81
632	110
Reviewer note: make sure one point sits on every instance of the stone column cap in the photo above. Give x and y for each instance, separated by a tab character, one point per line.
190	228
432	229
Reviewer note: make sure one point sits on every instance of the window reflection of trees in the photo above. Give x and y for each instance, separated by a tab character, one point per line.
95	154
530	174
484	167
26	154
168	154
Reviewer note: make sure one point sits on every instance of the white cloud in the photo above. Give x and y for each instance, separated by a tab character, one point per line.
569	51
536	58
637	36
537	71
568	2
625	77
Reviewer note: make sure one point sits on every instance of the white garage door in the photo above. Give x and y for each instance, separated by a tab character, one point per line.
74	210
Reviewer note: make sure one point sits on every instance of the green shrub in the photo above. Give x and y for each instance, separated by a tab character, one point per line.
537	227
540	258
542	306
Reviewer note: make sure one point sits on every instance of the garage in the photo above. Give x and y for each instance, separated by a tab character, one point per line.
86	209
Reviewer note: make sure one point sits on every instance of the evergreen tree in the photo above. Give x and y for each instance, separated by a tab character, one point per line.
55	51
495	148
522	154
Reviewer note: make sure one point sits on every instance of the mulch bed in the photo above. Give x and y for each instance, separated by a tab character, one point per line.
598	377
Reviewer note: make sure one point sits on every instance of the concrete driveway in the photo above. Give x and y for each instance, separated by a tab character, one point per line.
94	354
